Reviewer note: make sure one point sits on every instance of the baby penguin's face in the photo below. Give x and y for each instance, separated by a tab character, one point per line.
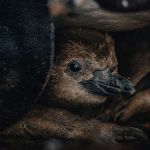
81	73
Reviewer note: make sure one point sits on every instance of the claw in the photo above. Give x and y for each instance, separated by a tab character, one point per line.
129	134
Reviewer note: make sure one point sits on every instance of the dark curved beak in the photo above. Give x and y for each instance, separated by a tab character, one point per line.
107	84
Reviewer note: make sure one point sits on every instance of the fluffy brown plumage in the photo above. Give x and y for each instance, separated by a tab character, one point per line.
48	120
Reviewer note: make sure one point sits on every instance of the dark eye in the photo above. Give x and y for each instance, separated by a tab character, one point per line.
75	66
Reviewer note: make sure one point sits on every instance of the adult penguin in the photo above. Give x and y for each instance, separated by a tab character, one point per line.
26	54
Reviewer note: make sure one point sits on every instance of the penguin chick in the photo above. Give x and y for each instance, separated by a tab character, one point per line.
86	74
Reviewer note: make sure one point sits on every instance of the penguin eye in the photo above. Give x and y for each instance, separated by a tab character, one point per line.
74	66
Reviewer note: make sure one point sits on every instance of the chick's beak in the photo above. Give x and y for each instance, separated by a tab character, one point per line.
107	84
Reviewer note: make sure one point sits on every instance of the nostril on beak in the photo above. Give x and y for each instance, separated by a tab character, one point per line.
97	74
102	74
